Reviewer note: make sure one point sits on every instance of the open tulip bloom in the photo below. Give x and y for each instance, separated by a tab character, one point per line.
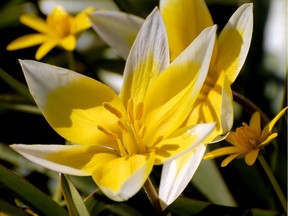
117	139
184	20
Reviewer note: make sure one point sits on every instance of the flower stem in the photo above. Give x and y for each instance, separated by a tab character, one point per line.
71	60
153	196
273	181
250	106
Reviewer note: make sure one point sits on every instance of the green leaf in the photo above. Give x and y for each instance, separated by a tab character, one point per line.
95	203
73	199
209	181
99	204
189	207
8	209
16	85
30	195
123	209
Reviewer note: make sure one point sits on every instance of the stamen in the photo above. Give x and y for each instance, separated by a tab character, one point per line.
139	110
122	150
108	133
122	126
130	110
142	132
112	110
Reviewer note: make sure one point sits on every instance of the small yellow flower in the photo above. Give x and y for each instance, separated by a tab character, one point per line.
247	140
59	29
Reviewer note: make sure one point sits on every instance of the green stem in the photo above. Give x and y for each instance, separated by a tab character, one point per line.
71	60
250	106
273	181
153	196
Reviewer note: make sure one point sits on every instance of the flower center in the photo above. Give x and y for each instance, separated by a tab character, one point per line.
247	137
130	138
60	24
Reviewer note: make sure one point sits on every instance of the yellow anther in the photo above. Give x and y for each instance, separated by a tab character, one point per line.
139	110
108	133
122	150
253	142
130	110
142	132
123	127
112	110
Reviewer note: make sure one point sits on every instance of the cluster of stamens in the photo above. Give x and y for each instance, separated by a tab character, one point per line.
130	137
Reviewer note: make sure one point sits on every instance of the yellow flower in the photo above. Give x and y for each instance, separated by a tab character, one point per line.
247	140
184	21
59	29
118	139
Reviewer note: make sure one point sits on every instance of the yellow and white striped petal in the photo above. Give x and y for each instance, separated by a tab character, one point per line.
177	174
178	86
46	47
180	142
216	105
35	23
148	57
27	41
121	178
234	42
117	29
184	20
73	103
69	159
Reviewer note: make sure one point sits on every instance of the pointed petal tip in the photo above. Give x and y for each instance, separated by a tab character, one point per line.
37	154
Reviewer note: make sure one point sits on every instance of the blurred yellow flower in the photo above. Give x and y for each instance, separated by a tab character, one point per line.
59	29
247	140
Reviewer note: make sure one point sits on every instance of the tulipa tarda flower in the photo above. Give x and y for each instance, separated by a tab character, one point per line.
59	29
184	20
118	139
247	140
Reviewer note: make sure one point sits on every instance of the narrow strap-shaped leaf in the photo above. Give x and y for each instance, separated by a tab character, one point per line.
73	199
8	209
30	195
15	84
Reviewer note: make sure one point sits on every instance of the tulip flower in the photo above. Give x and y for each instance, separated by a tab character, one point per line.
117	139
184	21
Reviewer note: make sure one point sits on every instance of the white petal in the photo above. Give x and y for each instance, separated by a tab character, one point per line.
117	29
148	57
37	154
112	79
177	174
